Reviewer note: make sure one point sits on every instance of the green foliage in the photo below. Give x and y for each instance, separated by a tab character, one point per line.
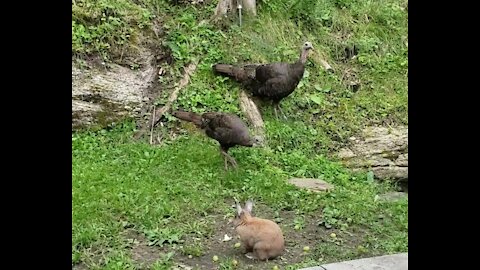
165	263
195	249
118	182
106	26
162	236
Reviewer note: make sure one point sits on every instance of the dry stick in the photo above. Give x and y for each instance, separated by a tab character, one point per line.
159	139
249	108
173	96
151	130
326	65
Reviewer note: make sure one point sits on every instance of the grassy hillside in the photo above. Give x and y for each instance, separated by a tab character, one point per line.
176	195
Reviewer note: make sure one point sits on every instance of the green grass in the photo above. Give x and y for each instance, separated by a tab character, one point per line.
323	101
173	192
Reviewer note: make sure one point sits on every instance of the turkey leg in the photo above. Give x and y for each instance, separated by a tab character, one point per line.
276	106
227	158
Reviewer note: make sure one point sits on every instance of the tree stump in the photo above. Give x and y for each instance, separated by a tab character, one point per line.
225	7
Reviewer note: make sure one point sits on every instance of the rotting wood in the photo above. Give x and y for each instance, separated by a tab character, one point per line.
251	111
188	71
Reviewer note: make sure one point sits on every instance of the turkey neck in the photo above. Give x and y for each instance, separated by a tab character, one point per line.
303	56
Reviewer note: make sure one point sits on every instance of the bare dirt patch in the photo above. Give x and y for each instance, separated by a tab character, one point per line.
80	266
141	252
195	251
295	240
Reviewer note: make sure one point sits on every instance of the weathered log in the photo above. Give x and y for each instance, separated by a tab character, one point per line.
102	96
251	111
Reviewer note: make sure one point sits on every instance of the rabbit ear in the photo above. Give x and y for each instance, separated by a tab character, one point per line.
239	208
249	206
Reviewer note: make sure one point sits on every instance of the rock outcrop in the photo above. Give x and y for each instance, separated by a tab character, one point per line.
382	150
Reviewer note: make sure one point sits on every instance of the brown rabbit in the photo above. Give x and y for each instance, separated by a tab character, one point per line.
262	237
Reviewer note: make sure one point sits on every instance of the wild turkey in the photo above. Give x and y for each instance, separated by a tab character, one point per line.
228	129
273	81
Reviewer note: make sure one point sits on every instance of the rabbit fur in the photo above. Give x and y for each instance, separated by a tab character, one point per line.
262	237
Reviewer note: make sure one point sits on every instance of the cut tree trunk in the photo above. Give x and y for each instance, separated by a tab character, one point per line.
225	7
250	109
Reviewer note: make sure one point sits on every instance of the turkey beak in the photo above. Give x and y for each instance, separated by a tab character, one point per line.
256	143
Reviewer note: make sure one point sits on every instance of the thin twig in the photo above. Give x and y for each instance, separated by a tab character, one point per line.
326	65
159	138
174	95
151	130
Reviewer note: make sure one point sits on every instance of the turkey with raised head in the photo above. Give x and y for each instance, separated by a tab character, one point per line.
228	129
273	81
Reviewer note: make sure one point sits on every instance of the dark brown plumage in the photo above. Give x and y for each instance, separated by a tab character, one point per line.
273	81
228	129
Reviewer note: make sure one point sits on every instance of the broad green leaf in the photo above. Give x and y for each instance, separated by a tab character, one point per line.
316	99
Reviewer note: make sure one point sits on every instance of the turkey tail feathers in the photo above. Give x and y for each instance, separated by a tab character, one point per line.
225	69
188	116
